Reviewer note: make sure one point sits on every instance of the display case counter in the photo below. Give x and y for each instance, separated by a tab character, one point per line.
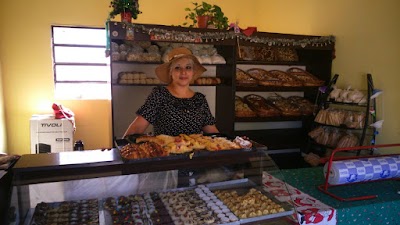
52	187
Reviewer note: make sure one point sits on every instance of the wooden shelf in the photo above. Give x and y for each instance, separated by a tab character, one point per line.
276	89
242	62
271	119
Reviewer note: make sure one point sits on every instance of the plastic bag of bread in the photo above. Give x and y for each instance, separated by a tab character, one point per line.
316	132
217	59
343	95
359	119
323	139
321	116
355	119
334	137
355	96
335	117
348	140
334	93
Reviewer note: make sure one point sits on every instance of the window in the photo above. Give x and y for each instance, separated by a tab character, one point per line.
81	69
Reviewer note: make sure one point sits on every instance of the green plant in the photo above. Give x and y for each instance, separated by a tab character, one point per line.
219	20
120	6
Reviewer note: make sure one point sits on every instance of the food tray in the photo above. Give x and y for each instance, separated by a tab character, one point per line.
196	154
243	185
87	213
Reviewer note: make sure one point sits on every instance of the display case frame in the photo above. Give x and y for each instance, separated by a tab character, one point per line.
42	169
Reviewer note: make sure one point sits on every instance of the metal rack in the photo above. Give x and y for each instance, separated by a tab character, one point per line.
323	102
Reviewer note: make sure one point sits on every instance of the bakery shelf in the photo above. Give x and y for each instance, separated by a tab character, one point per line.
344	103
365	136
271	119
271	89
342	126
270	63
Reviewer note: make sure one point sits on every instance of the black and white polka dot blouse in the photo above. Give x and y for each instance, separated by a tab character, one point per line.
173	116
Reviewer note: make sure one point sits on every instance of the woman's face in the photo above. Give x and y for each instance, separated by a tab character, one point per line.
181	71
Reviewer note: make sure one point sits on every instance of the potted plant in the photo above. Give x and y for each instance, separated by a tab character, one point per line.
127	8
205	15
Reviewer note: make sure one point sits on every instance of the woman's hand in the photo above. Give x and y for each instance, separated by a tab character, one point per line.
210	129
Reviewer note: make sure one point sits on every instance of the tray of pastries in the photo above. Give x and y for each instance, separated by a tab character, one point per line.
307	78
242	109
285	106
135	148
189	205
245	80
250	203
287	80
263	77
67	212
261	106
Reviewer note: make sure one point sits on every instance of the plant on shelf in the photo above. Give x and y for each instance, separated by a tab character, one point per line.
127	8
206	15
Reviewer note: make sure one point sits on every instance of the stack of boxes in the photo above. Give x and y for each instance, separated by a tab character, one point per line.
51	135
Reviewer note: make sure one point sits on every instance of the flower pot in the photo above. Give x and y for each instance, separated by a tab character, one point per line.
126	17
202	21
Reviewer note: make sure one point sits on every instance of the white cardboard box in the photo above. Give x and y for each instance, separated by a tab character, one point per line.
51	135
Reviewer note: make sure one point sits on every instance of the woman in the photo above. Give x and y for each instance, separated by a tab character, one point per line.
175	109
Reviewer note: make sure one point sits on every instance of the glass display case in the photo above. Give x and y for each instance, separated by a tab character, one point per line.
102	187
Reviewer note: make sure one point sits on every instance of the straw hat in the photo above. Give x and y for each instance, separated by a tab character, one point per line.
162	71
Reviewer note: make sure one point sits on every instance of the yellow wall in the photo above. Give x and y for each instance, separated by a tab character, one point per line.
367	34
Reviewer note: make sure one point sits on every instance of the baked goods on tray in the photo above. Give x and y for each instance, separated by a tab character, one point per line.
242	109
143	150
307	78
306	107
285	106
287	80
147	146
244	79
251	203
263	77
261	106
